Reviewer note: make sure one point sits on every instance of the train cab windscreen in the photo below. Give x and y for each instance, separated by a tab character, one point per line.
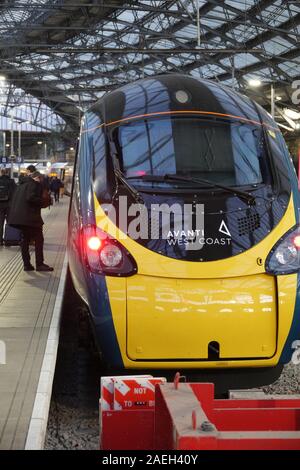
228	152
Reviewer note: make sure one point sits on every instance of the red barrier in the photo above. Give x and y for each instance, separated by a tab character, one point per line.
187	417
127	429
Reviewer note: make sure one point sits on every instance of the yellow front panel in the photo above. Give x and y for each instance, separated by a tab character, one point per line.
177	319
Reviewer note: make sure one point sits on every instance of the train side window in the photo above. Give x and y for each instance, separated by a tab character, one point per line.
281	158
74	193
250	147
100	161
99	147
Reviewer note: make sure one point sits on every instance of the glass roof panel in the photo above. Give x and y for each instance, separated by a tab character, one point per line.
276	13
277	45
242	5
64	63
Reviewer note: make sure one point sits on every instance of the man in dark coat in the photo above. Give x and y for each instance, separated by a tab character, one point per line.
7	188
55	186
25	214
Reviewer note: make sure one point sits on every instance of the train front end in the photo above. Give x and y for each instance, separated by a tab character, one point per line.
189	189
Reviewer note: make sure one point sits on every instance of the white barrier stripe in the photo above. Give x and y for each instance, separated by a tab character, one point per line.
122	387
145	384
105	405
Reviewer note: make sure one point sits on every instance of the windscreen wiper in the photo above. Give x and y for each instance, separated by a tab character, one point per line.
130	188
170	177
237	192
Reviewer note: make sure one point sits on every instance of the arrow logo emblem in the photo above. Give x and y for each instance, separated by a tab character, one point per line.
224	229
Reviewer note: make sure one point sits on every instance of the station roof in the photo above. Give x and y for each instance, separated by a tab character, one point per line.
60	56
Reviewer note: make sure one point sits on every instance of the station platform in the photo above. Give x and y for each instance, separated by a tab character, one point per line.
29	329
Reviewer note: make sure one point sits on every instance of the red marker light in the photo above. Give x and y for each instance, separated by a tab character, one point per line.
136	173
94	243
296	241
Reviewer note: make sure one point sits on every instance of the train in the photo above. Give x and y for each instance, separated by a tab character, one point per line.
184	237
67	179
63	171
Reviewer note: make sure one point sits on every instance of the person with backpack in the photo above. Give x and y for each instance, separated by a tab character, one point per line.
46	196
7	188
25	214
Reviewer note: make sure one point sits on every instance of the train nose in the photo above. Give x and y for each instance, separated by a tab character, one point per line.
202	319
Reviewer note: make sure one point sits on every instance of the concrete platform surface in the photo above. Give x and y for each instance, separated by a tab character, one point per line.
27	301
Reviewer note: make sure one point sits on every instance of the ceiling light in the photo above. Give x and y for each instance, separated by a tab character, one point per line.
278	98
39	142
254	82
2	78
290	113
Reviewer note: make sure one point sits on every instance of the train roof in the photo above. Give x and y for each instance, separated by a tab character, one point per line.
177	93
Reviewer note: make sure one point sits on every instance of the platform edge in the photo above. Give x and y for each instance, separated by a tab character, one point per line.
39	418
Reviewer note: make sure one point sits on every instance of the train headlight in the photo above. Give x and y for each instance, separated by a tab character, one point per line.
103	254
284	258
111	255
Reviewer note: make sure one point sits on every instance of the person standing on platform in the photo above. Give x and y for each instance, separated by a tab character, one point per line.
25	214
55	186
7	188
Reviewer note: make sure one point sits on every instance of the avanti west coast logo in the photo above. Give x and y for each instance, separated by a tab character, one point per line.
178	224
2	353
195	239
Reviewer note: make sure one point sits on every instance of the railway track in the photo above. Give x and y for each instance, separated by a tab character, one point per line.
74	417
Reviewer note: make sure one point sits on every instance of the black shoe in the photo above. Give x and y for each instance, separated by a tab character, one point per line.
28	267
44	267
